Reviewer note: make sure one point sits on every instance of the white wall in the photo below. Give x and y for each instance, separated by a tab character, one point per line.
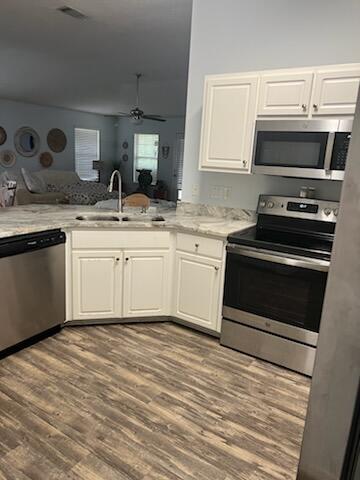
244	35
167	131
14	115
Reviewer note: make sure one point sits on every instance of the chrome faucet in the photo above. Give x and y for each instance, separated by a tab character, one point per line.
111	185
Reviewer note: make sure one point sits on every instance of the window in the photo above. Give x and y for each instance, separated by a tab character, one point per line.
87	149
146	154
179	152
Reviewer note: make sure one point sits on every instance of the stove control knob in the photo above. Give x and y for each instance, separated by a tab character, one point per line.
336	212
262	204
270	204
327	211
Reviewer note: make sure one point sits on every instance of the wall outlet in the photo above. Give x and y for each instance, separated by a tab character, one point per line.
195	190
227	193
219	192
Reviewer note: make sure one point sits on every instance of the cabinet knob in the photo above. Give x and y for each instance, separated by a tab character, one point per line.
244	163
304	107
197	245
216	269
117	259
316	106
126	259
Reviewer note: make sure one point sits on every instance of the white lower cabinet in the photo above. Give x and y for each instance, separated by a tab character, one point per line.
146	283
109	280
197	289
97	284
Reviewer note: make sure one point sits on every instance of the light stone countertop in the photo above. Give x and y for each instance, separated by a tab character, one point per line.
216	222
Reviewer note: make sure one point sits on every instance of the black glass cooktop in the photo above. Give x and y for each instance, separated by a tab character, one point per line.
295	236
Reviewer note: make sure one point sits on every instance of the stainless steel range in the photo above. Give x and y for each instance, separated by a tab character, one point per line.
275	281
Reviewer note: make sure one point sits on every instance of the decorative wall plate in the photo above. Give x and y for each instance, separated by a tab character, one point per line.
56	139
125	145
3	136
125	157
7	158
27	141
46	159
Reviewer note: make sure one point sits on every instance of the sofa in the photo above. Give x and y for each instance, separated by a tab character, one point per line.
59	186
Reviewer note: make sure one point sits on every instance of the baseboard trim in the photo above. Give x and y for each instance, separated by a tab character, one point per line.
29	341
184	323
115	321
130	320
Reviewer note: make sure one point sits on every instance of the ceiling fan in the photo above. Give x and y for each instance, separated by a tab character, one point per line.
136	114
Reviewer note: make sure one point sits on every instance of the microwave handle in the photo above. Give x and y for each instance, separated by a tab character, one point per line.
329	151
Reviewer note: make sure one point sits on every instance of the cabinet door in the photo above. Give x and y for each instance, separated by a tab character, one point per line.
197	290
285	94
336	91
97	284
228	124
146	283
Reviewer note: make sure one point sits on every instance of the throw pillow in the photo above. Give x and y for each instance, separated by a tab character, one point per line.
33	183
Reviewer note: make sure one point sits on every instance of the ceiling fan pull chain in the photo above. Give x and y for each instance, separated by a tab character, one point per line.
138	75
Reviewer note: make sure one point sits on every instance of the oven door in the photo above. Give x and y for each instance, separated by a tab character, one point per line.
294	148
278	293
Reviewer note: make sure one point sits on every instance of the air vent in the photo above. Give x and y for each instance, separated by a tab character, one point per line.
72	12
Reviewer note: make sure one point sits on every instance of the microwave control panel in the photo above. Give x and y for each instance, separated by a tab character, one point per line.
340	150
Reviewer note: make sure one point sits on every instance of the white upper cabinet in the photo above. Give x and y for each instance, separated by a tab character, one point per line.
146	283
287	93
336	91
232	103
228	123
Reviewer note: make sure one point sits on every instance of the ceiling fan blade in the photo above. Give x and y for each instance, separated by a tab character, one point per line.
155	118
122	114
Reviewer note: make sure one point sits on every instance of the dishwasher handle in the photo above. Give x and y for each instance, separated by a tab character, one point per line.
28	243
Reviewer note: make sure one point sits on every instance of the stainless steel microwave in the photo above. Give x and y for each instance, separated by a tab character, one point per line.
302	148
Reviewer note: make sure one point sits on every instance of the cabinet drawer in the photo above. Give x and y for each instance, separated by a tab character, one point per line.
208	247
119	239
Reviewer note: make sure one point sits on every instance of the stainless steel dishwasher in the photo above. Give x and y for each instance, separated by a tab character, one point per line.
32	285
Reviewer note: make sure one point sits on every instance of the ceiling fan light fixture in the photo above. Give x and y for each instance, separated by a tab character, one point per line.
136	121
136	115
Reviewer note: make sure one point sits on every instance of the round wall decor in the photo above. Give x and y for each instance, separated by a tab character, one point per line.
125	157
125	145
46	159
7	158
3	136
27	142
56	139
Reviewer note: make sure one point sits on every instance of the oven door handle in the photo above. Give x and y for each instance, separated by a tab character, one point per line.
290	261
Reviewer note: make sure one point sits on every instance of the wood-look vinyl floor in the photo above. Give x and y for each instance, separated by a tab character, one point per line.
146	402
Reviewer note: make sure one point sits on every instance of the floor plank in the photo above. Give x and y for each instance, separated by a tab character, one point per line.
147	402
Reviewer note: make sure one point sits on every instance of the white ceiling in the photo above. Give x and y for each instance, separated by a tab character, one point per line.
49	58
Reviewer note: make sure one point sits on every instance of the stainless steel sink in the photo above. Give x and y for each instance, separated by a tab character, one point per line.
157	218
98	218
113	218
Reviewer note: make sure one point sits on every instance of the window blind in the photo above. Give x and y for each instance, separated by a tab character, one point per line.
146	154
179	159
87	149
